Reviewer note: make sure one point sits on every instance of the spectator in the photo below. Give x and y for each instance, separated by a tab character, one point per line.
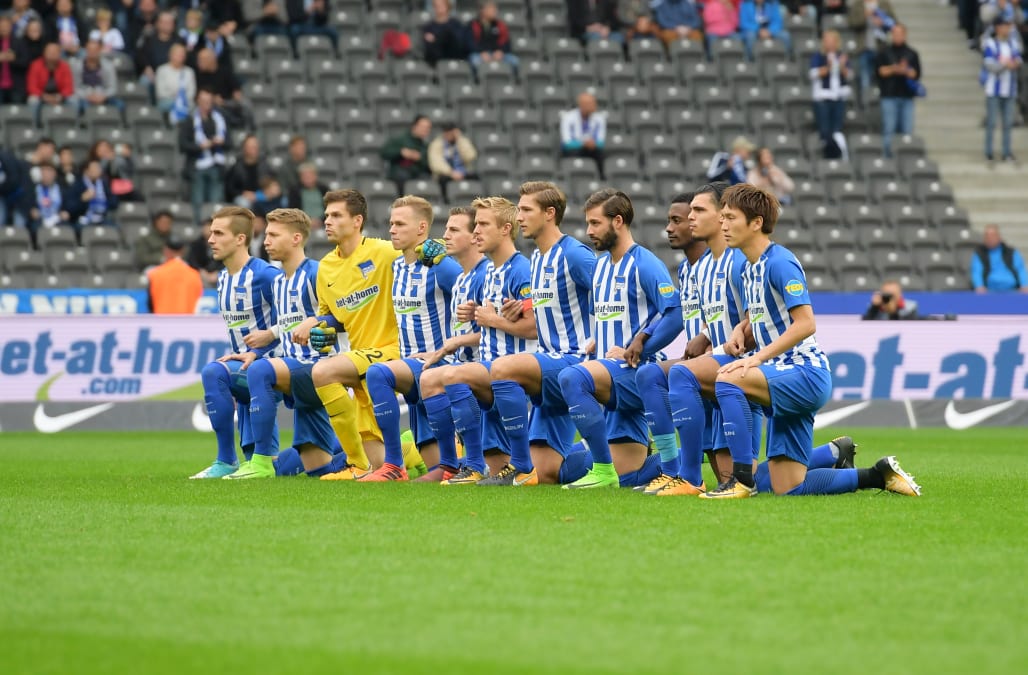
66	29
45	153
122	171
873	20
720	20
192	30
594	20
33	44
451	156
270	21
67	166
899	75
406	155
49	201
677	20
830	7
216	42
829	77
96	79
769	176
445	36
268	198
148	247
12	72
762	20
228	14
310	17
583	131
1002	61
49	80
228	92
22	15
106	34
888	304
175	85
199	257
244	178
175	287
636	20
307	196
13	182
490	39
204	138
996	266
138	25
730	167
153	51
91	201
289	174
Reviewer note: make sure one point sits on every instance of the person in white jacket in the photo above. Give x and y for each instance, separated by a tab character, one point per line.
173	77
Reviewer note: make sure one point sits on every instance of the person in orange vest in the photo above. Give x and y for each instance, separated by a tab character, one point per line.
175	287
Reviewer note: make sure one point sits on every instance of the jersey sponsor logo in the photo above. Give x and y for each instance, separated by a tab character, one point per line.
366	268
794	287
608	311
756	313
407	305
237	319
542	298
357	299
290	321
666	290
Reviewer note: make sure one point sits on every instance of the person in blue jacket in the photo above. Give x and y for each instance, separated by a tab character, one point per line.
762	20
996	266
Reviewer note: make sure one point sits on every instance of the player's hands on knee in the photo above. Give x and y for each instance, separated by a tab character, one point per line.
323	338
431	252
246	357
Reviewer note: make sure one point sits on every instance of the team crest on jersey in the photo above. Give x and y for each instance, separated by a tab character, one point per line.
666	290
794	287
366	268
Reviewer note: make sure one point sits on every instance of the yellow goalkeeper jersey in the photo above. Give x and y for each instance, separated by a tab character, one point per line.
357	291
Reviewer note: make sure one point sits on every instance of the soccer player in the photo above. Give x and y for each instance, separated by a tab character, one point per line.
246	301
562	275
632	291
354	282
461	392
295	300
421	302
788	373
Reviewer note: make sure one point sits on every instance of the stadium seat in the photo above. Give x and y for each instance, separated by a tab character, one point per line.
685	53
918	168
770	51
550	26
645	52
821	215
101	120
13	240
537	74
57	118
863	215
79	140
943	280
314	48
56	240
729	123
27	263
576	77
700	75
858	281
527	48
948	215
356	48
928	191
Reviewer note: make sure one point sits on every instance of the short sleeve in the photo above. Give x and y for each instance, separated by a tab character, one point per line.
581	264
656	283
786	278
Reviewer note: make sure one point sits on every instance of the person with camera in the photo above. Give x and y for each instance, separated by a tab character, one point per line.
888	304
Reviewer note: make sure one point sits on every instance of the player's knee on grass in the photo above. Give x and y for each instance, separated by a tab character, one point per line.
627	456
547	463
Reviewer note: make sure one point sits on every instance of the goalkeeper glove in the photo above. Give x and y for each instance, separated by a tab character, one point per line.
323	338
431	252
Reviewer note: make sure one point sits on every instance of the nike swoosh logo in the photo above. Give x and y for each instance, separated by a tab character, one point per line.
958	420
826	419
330	284
51	425
522	481
200	420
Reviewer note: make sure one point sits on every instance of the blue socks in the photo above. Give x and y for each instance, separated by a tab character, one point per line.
690	418
382	389
575	465
827	482
467	421
511	402
822	457
288	463
647	472
738	426
586	412
437	409
260	378
338	463
652	384
221	409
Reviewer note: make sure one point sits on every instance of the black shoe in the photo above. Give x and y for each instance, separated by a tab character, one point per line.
847	449
988	157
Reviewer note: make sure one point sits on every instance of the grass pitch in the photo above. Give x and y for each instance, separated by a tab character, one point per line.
113	562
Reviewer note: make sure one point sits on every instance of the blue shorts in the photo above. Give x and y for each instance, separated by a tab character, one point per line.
550	395
310	421
797	393
550	427
626	416
416	412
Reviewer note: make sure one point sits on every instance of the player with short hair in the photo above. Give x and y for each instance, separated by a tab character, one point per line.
787	373
632	291
562	273
460	392
246	301
314	443
421	303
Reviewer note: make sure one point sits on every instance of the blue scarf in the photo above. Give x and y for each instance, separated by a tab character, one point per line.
96	212
48	201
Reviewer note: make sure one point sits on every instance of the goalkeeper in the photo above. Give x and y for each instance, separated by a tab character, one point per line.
354	295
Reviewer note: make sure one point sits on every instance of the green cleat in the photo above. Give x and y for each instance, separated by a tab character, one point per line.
600	476
258	467
217	470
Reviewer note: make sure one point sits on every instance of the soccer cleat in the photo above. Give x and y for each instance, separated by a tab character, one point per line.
219	469
679	487
249	470
508	476
732	489
594	479
417	471
655	485
349	473
847	449
437	475
466	476
384	474
896	479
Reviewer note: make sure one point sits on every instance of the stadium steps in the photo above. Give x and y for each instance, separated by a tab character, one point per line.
950	122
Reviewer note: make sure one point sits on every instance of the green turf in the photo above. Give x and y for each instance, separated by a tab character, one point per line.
114	563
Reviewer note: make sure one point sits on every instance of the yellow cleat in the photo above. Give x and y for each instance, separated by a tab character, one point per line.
896	479
679	487
467	476
657	484
349	473
732	489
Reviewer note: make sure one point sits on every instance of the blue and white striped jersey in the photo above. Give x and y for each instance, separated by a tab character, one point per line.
561	288
247	301
468	288
512	280
296	299
719	286
997	79
774	285
627	296
421	300
692	320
